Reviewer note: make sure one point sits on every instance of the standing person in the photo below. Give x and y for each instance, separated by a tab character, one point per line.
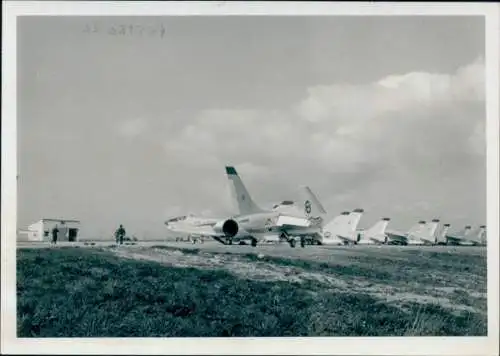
120	234
55	231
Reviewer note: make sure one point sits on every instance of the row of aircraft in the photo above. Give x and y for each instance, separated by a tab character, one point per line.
291	222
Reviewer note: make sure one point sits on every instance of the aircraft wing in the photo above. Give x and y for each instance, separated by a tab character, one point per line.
293	222
190	229
455	239
397	237
297	226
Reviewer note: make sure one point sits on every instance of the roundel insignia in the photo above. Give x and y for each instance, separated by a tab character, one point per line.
307	206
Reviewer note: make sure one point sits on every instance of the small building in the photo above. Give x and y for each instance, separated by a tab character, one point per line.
42	230
23	235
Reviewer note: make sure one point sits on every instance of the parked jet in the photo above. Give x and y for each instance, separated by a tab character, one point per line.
468	237
254	224
478	236
401	238
188	221
441	236
376	234
343	228
482	235
424	236
458	237
328	235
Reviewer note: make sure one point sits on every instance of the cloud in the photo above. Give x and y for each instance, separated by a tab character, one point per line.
133	128
476	141
395	93
380	144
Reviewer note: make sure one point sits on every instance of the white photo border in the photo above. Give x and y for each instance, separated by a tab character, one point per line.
245	346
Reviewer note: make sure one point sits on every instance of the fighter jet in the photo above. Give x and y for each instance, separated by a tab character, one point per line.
441	235
458	237
424	236
401	238
255	224
342	230
186	222
467	237
376	234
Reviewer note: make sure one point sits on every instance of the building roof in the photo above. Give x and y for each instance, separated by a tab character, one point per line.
59	220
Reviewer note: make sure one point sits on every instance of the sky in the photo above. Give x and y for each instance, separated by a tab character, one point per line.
131	120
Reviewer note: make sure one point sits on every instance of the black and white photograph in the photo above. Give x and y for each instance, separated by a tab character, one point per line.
249	177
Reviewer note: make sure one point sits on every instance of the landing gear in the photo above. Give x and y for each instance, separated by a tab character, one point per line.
302	242
229	241
292	243
254	243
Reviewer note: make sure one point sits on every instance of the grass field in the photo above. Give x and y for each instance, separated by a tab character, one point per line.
166	291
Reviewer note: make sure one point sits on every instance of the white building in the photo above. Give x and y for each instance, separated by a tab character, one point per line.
42	230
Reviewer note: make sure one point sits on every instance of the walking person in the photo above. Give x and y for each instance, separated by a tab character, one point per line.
55	231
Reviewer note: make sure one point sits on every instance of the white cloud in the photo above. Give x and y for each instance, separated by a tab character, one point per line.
394	93
477	139
390	141
133	128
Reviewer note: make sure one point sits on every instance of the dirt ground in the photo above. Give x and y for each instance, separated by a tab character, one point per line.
444	287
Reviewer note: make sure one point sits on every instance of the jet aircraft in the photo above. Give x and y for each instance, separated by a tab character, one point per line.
467	236
255	224
376	234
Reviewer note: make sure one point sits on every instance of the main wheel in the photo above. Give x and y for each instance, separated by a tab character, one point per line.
230	241
254	243
302	243
292	243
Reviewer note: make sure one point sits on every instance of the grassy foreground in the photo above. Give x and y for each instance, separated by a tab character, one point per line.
81	292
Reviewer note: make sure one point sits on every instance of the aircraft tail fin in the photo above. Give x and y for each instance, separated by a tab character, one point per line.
312	205
378	229
245	203
466	231
349	225
442	234
482	235
417	227
334	226
431	228
477	235
416	231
